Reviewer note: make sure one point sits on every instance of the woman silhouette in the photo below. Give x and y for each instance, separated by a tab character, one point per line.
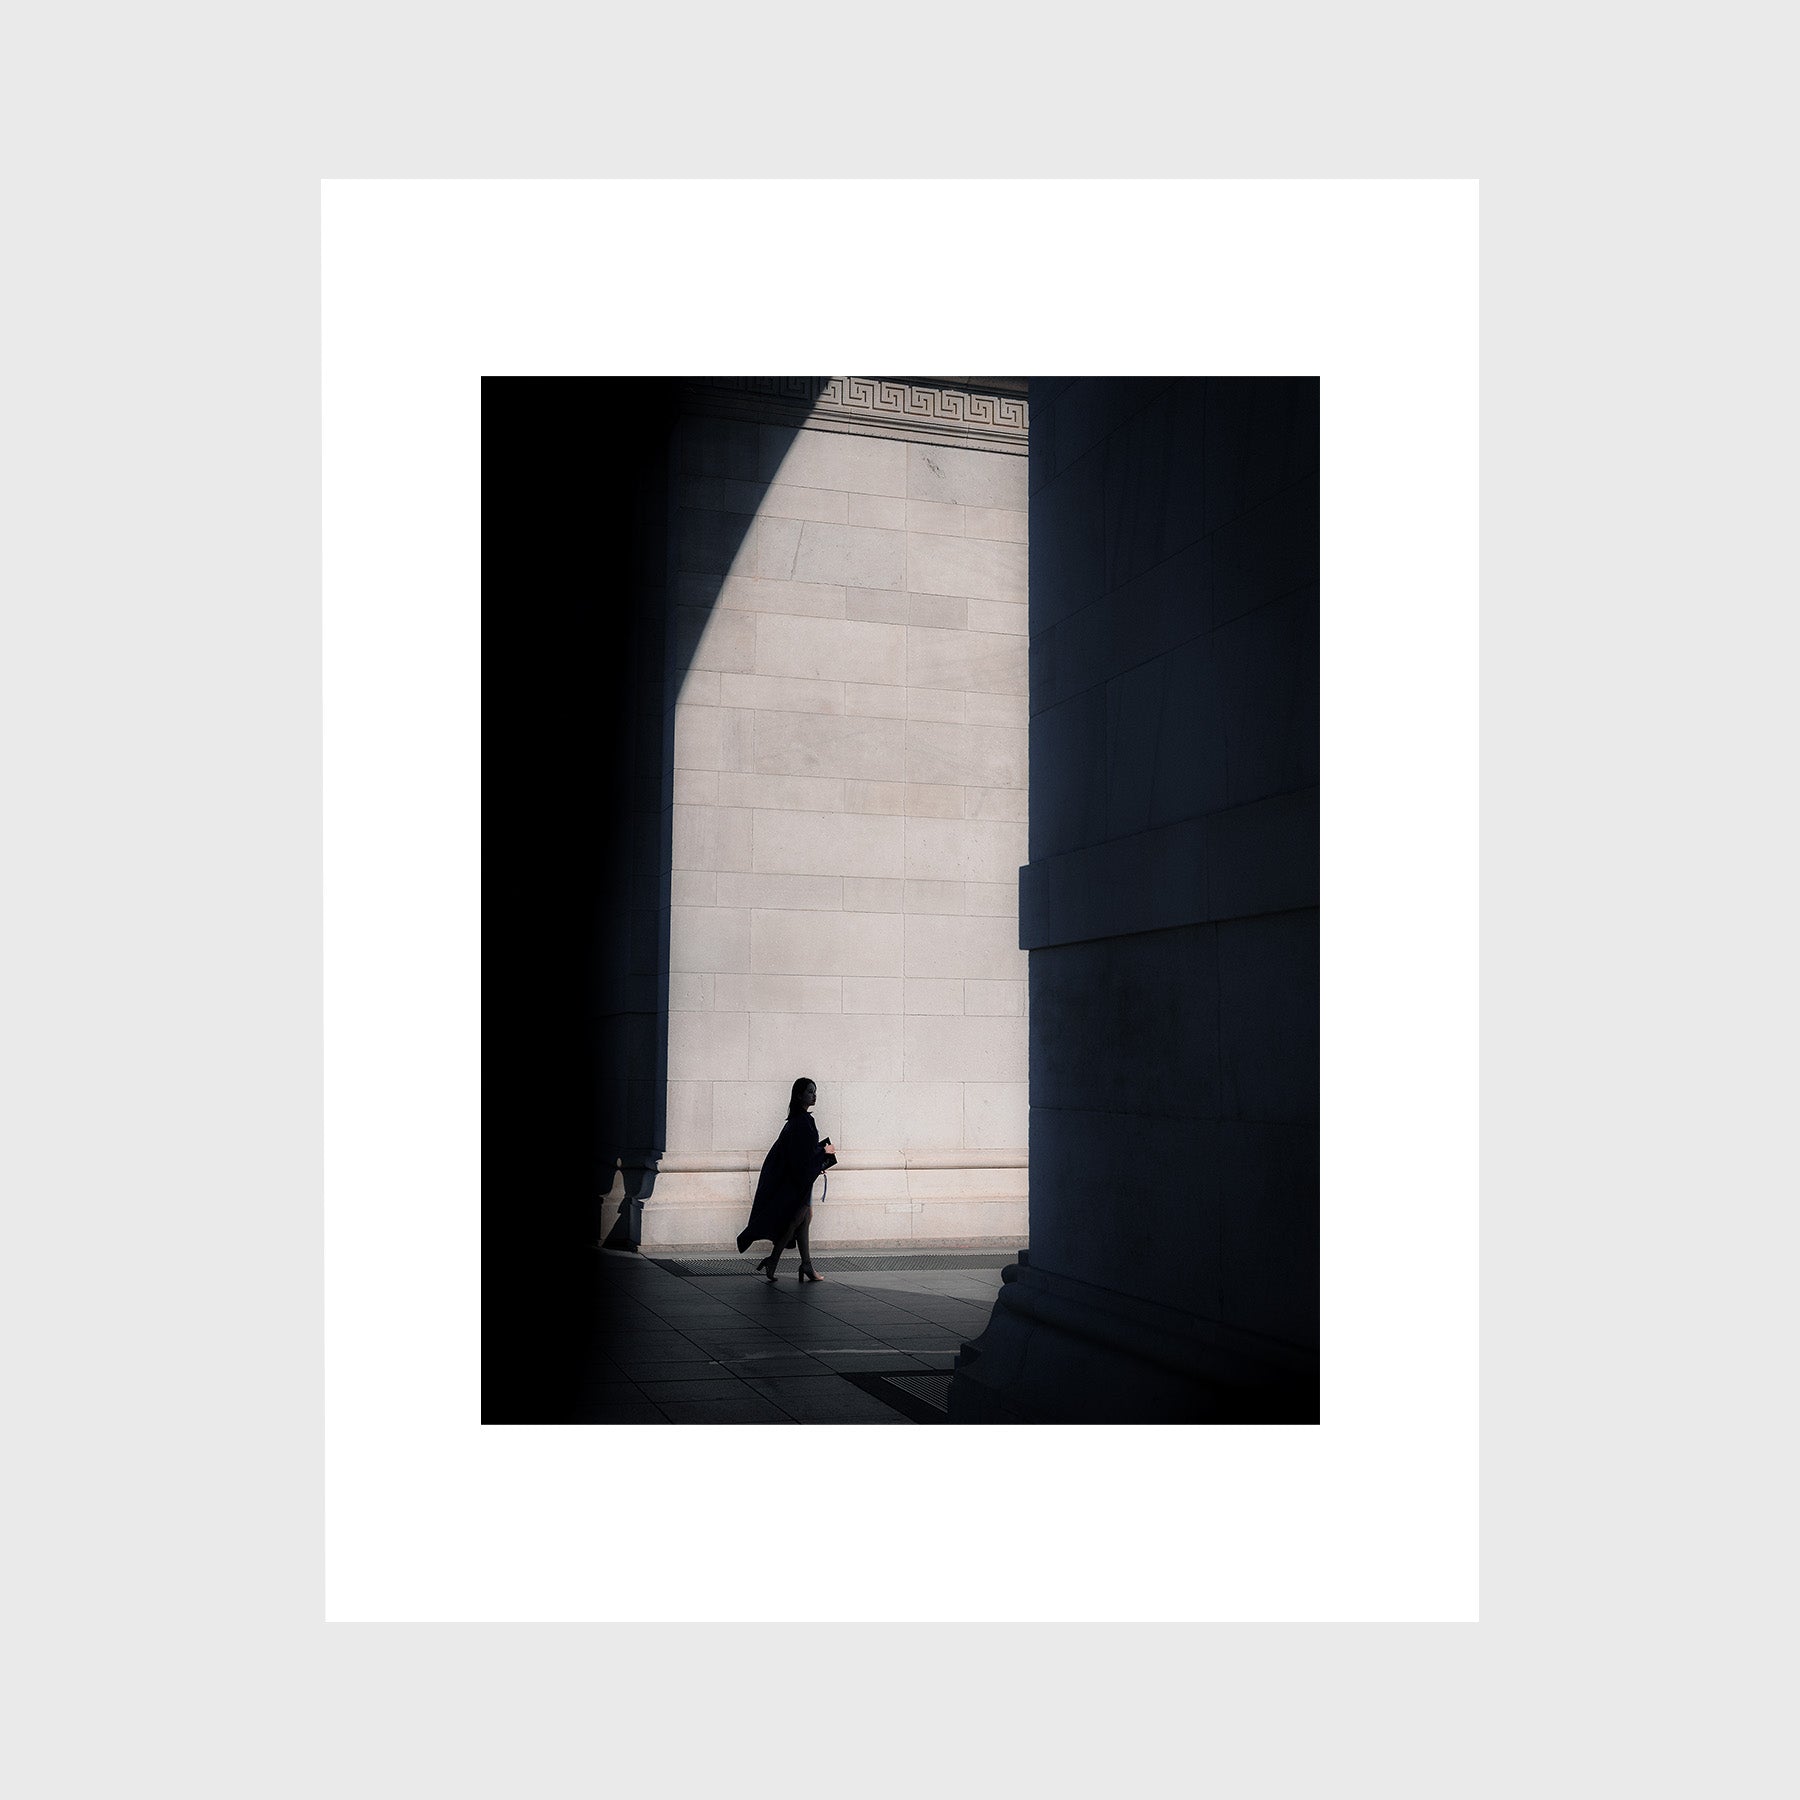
782	1209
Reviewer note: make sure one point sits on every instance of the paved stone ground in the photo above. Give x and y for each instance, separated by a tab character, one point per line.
729	1349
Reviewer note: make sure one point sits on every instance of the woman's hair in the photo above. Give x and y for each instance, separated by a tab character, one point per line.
802	1097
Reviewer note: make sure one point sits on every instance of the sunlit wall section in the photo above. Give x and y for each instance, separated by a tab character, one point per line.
848	804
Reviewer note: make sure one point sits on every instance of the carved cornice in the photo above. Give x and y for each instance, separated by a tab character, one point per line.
920	409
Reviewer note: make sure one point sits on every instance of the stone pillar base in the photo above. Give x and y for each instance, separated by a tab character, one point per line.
1061	1351
908	1196
622	1206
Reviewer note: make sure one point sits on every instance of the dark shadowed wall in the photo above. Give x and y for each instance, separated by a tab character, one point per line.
1170	908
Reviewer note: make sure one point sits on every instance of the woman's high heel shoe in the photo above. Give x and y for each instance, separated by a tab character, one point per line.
763	1269
807	1274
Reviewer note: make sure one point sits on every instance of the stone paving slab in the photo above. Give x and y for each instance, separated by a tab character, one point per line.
677	1348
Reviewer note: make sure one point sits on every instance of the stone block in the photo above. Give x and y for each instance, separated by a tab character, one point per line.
781	693
1091	410
820	744
975	568
690	1115
711	837
711	1046
808	843
1266	1187
944	612
883	606
998	615
934	703
1068	541
696	787
1163	1245
971	662
699	687
694	887
1001	1217
995	1115
938	754
1068	757
897	1115
777	993
725	448
793	893
934	996
873	994
934	897
714	640
1268	1002
831	649
965	477
981	1181
692	993
711	543
936	517
1267	552
846	1046
1264	857
1134	709
885	511
983	948
962	1049
978	802
714	737
927	800
1152	998
964	850
1150	881
703	939
994	999
1262	435
699	731
748	1115
873	797
873	896
819	943
1190	758
1268	681
1154	483
868	700
804	599
853	1187
992	899
858	556
830	459
782	793
712	493
994	522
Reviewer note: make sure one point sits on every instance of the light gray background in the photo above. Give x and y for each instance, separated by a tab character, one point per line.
162	1025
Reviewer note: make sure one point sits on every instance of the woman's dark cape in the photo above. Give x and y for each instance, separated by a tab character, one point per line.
784	1188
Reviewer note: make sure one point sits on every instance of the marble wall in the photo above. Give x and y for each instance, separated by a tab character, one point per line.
847	805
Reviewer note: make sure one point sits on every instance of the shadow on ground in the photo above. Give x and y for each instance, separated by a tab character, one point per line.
723	1347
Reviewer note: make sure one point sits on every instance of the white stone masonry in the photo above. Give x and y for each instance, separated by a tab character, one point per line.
849	793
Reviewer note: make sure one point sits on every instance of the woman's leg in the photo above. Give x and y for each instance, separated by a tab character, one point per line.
805	1243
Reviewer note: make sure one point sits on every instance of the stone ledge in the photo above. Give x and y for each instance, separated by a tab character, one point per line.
1258	858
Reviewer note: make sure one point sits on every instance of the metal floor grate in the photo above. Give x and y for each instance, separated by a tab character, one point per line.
932	1388
849	1265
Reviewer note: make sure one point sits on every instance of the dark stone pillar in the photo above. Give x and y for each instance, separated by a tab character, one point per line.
1171	911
